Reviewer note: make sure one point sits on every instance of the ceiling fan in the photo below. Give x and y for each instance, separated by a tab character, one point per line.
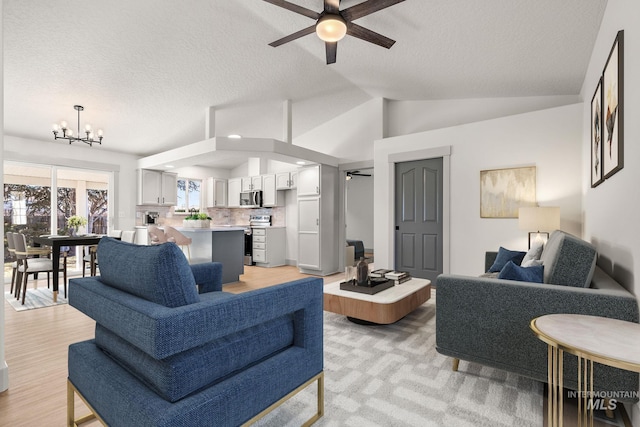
332	24
351	174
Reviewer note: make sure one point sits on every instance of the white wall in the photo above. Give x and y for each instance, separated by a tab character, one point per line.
360	209
407	117
82	156
4	369
548	139
610	210
350	135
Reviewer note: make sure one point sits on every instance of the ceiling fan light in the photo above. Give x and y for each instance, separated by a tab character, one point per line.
331	28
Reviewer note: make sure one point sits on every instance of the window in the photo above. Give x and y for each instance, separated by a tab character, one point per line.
189	194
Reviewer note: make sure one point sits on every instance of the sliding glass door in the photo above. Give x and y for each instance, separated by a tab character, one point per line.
38	199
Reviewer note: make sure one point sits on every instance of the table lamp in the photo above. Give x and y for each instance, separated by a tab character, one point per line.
542	219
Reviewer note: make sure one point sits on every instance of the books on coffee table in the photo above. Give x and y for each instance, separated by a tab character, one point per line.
398	276
379	272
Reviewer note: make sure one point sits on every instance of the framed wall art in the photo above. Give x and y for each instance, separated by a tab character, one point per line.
504	191
596	136
612	109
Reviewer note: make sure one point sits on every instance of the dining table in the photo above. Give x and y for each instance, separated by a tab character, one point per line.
56	242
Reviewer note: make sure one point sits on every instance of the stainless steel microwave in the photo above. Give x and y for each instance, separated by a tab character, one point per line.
251	199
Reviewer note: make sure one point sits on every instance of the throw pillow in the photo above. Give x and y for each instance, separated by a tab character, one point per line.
504	256
511	271
531	263
534	253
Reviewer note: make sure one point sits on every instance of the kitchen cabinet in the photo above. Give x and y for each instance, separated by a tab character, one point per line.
252	183
309	181
309	256
234	187
286	180
269	246
271	196
317	220
157	187
216	192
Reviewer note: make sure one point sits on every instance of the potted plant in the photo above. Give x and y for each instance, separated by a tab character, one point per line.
75	222
197	220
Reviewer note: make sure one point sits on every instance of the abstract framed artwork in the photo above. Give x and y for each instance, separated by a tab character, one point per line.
596	136
612	109
504	191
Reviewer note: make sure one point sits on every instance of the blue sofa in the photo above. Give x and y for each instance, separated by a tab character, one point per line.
172	349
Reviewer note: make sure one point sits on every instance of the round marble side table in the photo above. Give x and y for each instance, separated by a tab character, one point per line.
607	341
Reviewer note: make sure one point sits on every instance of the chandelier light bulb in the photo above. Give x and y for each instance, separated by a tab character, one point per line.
331	28
70	132
63	124
100	133
56	127
87	127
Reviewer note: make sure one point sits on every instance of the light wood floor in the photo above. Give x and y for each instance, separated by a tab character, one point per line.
36	343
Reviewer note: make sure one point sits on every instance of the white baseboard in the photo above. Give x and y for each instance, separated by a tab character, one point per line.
4	376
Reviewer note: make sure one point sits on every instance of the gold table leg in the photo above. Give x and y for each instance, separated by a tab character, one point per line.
585	392
55	296
555	389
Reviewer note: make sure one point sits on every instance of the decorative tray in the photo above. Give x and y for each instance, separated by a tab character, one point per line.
375	286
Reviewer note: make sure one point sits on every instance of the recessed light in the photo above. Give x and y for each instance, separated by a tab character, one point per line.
301	163
169	166
235	136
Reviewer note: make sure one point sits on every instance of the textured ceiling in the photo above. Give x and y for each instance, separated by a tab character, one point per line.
147	70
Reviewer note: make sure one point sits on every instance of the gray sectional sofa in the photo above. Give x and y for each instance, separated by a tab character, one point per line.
486	320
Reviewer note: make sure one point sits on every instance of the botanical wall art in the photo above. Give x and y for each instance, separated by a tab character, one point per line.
596	136
504	191
612	109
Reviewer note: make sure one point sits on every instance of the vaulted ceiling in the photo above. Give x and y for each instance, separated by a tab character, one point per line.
147	70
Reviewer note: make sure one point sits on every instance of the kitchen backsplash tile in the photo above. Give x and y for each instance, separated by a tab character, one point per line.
219	216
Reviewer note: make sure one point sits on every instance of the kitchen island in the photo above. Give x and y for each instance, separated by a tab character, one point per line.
219	244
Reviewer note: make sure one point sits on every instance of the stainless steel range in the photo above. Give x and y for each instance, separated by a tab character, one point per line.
255	221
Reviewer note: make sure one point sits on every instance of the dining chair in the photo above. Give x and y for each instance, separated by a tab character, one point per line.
156	235
128	236
179	239
27	265
90	255
14	261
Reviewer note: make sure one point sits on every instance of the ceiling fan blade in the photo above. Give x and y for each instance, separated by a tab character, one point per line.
294	36
295	8
332	6
332	52
365	34
367	8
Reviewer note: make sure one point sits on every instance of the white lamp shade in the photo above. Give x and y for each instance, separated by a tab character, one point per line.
331	28
540	218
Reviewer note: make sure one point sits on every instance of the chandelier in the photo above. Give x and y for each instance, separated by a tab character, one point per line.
67	133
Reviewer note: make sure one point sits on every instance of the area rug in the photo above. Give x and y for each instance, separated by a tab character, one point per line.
392	376
36	298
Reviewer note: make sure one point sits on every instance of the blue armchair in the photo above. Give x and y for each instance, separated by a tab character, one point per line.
169	353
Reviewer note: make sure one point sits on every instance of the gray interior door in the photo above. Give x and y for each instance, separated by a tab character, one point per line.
418	218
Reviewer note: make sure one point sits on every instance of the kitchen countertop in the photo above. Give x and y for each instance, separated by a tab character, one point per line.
210	229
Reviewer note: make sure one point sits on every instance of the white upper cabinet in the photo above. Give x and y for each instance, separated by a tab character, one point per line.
216	192
309	181
157	187
252	183
270	194
233	196
286	180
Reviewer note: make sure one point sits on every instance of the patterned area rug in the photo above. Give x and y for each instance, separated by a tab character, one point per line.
36	298
392	376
